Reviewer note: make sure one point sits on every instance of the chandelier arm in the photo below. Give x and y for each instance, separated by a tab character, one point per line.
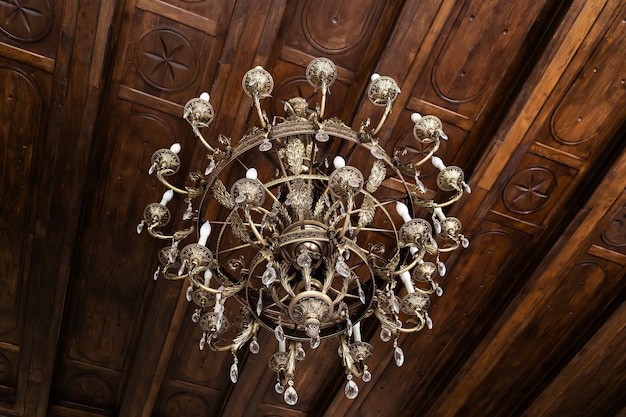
278	302
196	131
254	229
157	234
382	120
257	105
429	155
449	248
165	182
323	104
409	267
451	201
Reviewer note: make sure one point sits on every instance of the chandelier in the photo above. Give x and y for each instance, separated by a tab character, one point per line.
305	246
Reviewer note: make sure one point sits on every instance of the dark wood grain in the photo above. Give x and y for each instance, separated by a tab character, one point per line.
532	96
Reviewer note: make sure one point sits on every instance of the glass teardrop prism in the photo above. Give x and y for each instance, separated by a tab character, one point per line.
140	227
342	268
300	353
254	346
279	333
439	291
269	276
189	293
429	322
385	334
265	146
367	376
259	305
315	341
291	396
156	273
202	342
321	136
234	372
398	356
441	268
351	390
279	388
465	242
195	317
152	169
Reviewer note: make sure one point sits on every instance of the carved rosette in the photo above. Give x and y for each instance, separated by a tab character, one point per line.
156	213
415	302
450	179
345	181
248	191
165	161
311	307
26	21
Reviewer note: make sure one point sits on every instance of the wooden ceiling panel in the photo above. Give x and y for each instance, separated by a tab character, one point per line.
531	95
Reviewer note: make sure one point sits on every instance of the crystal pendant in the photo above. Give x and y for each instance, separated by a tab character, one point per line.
429	322
254	346
398	356
441	268
342	267
259	305
152	169
240	199
439	291
467	188
465	242
181	270
202	341
443	135
210	167
234	372
279	333
437	225
155	276
315	341
321	136
434	242
279	388
367	375
269	276
189	293
171	255
300	353
291	396
361	292
340	352
420	185
385	334
140	227
195	316
303	260
265	146
352	389
188	211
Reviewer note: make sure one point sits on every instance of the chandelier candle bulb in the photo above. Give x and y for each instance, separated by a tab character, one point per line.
439	213
175	148
252	174
339	162
437	163
167	197
285	257
205	232
406	280
356	332
403	211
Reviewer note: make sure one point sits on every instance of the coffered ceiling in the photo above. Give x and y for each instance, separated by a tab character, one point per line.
532	96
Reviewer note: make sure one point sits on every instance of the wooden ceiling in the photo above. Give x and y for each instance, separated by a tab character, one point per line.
533	96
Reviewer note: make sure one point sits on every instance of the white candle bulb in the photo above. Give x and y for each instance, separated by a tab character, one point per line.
167	197
205	96
175	147
415	117
413	250
375	76
207	277
218	306
205	231
439	213
339	162
438	163
406	280
356	332
252	173
403	211
282	345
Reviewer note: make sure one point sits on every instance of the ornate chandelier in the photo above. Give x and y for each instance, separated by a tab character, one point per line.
308	248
